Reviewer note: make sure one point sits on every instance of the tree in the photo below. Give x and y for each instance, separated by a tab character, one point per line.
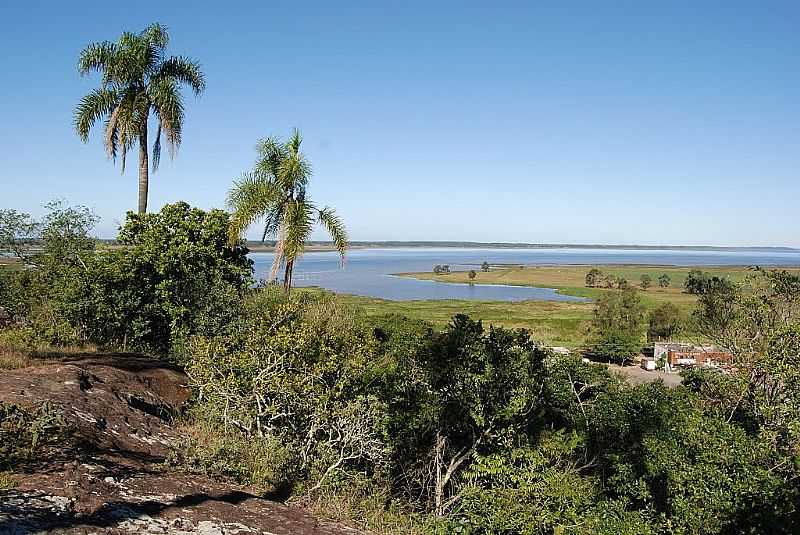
664	280
645	281
664	323
485	266
175	276
622	283
469	391
137	79
757	321
593	278
275	190
472	275
618	322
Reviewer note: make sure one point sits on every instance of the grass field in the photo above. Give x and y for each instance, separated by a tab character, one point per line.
552	322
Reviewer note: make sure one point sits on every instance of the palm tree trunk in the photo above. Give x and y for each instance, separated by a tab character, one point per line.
287	276
144	170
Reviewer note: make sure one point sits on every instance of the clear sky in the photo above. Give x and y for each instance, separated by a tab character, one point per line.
573	122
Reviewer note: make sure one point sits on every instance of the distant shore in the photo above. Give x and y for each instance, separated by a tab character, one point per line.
327	246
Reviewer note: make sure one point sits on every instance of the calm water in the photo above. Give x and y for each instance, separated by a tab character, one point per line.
368	272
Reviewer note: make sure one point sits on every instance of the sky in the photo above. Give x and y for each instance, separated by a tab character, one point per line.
545	122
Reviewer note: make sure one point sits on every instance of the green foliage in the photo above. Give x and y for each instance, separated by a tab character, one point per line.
56	251
617	322
664	280
664	322
297	371
467	391
472	274
485	266
617	345
645	281
528	490
23	433
175	276
593	278
262	462
699	282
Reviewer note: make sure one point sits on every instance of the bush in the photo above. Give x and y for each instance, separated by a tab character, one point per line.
297	371
23	433
261	462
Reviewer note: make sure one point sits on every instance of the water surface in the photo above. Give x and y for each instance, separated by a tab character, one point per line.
368	272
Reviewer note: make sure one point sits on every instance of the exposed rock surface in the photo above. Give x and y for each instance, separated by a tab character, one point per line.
111	479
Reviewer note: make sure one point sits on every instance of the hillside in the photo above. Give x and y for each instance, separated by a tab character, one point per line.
106	473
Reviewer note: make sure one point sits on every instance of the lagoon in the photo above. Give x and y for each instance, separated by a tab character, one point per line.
369	272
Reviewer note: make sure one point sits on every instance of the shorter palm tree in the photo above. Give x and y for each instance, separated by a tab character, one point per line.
275	191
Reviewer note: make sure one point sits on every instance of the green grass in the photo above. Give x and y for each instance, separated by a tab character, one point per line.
552	322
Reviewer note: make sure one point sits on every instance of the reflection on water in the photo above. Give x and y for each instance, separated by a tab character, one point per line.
368	272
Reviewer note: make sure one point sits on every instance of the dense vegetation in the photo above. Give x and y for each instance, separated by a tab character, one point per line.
404	427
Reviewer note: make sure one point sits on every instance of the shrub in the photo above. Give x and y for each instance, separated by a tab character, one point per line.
24	432
296	371
645	281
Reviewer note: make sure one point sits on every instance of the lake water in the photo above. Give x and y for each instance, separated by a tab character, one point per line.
368	272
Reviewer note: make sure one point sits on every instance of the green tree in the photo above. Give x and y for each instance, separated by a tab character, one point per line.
594	278
617	323
622	283
137	80
175	276
276	191
757	321
466	391
472	274
485	266
664	280
645	281
664	322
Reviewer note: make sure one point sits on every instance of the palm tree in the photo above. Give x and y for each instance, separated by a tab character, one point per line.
275	191
137	80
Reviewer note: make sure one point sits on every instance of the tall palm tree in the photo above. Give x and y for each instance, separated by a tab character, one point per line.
137	79
275	191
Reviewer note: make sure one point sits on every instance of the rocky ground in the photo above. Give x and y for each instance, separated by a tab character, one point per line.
111	478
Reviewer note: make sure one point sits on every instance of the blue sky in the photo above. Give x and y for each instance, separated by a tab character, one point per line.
565	122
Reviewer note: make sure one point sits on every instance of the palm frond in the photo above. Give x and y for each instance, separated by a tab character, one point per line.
294	172
156	34
168	106
250	199
295	141
183	70
111	141
92	107
96	57
157	148
299	222
335	227
271	152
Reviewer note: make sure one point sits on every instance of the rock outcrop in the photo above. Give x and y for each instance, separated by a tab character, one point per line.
111	477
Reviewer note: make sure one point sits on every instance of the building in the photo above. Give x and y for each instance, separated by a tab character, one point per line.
682	354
